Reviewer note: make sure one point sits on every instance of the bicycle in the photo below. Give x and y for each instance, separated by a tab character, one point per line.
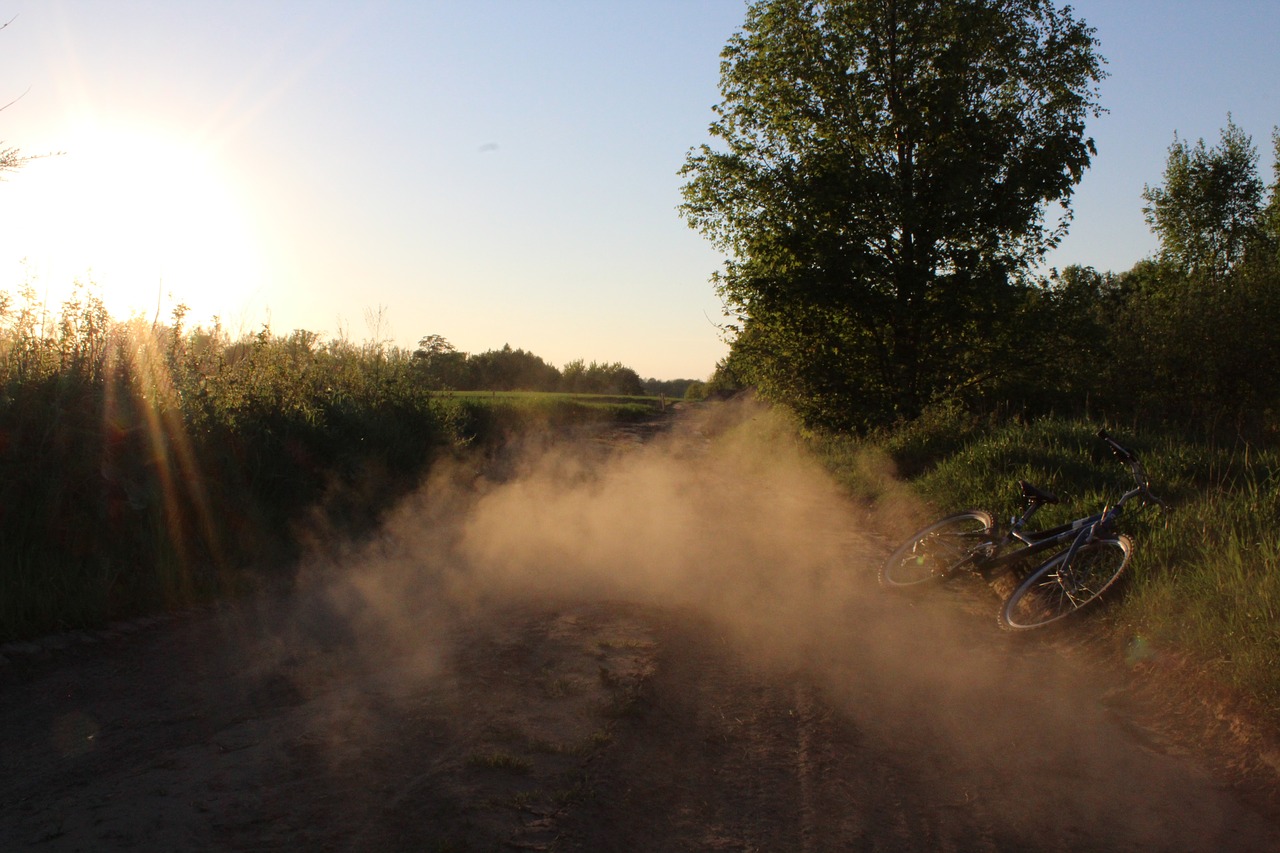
1093	560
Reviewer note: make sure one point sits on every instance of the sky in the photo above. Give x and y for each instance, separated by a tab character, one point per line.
495	171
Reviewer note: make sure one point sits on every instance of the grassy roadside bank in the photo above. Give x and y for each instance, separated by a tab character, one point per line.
174	517
147	467
1205	581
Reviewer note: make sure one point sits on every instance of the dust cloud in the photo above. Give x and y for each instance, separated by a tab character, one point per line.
543	640
727	516
725	513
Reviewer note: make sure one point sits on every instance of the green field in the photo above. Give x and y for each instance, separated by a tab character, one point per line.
609	405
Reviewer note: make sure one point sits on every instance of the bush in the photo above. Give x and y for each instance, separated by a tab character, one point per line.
144	466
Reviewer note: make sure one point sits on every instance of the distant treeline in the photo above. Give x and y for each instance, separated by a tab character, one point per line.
443	368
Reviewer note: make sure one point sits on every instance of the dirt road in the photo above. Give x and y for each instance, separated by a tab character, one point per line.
680	700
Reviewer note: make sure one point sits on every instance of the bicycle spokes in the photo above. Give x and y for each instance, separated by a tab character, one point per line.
1066	583
936	551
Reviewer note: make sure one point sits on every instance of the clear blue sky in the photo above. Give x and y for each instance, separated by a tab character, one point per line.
494	172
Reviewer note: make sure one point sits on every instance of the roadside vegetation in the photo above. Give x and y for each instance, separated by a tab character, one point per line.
149	466
886	183
1204	587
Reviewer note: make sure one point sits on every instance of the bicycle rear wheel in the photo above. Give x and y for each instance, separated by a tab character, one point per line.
938	550
1059	588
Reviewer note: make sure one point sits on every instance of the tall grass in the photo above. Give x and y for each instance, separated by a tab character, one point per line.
1205	579
145	466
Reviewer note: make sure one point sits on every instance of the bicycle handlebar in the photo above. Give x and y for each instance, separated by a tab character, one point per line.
1130	459
1120	453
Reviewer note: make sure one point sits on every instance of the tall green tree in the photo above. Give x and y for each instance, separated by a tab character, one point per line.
881	177
1218	268
611	378
1207	213
440	364
510	370
1271	214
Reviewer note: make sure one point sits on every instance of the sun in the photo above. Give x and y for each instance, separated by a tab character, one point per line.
145	217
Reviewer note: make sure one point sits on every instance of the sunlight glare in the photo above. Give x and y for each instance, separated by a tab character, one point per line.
147	218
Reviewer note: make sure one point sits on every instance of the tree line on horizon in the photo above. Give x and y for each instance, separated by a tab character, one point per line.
444	368
886	180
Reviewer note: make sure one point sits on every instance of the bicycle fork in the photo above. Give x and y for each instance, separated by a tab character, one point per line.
1067	575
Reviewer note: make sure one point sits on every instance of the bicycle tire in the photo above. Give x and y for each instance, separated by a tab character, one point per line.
1059	589
935	552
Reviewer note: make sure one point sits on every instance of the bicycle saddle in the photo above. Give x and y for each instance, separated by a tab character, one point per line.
1033	495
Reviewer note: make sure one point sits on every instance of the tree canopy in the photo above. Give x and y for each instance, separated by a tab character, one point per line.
442	367
1208	211
882	176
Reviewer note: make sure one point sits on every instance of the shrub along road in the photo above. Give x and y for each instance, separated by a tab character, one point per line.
663	715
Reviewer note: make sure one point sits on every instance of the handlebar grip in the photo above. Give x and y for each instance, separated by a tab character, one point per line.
1120	453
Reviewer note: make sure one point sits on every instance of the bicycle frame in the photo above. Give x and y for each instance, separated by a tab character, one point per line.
1069	566
1081	531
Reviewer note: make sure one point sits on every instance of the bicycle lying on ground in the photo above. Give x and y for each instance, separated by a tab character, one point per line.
1091	558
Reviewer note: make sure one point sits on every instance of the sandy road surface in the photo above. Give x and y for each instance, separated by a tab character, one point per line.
575	726
695	708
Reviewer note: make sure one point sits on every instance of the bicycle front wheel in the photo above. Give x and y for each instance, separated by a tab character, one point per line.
1059	588
937	551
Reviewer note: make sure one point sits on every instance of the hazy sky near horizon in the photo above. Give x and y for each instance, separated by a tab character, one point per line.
496	171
